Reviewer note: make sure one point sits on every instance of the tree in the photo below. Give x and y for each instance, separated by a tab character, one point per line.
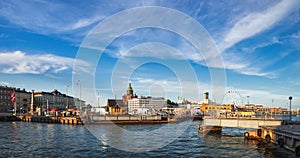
171	103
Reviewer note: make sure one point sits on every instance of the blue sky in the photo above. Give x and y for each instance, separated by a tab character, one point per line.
258	42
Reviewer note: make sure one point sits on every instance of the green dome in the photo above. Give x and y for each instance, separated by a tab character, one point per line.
129	87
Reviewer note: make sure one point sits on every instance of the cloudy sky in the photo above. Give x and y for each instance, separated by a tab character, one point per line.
257	47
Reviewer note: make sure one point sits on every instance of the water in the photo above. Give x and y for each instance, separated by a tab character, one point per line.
23	139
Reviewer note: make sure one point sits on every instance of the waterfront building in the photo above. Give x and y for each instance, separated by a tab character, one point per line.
129	94
216	109
54	99
115	106
28	102
5	104
152	104
174	111
23	99
80	104
205	100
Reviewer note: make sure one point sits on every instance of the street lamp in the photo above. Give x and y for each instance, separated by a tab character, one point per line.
98	99
290	98
248	99
79	82
67	106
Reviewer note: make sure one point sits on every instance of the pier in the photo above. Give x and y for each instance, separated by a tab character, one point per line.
241	122
269	130
125	119
43	119
91	119
285	136
51	119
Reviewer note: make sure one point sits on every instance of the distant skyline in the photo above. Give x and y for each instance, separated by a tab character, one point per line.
258	42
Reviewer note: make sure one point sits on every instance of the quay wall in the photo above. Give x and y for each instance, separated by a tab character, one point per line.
285	136
125	118
43	119
8	118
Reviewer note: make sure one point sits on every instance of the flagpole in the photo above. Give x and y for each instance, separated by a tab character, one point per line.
13	100
47	106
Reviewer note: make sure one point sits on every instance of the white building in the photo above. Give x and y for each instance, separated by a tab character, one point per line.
151	105
56	99
205	100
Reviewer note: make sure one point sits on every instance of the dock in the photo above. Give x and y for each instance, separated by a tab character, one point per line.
52	119
124	119
91	119
286	136
240	122
43	119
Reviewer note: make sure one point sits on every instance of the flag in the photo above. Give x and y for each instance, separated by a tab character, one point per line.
13	97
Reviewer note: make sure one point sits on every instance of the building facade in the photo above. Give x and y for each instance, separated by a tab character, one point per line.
214	108
29	102
136	105
129	95
115	107
54	99
5	104
23	100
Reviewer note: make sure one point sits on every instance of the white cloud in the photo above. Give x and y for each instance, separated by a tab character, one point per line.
156	50
268	42
18	62
47	17
248	26
257	22
244	66
296	35
4	83
256	72
263	97
84	22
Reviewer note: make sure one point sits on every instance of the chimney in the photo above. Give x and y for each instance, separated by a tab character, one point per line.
206	95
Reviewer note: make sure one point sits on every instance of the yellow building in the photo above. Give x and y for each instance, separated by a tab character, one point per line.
115	107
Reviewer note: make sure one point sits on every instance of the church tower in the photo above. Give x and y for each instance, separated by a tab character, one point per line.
129	90
129	95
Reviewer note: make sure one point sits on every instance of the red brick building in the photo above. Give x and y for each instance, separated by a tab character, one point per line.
5	103
129	95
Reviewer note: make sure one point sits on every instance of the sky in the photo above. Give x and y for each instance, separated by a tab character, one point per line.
239	51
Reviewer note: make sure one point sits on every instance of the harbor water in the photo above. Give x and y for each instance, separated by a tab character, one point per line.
29	139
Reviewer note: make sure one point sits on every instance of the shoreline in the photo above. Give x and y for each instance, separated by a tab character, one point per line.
76	120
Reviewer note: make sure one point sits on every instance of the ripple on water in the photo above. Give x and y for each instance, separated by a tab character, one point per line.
22	139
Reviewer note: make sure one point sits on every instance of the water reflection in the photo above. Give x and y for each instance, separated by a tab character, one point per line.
23	139
138	138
